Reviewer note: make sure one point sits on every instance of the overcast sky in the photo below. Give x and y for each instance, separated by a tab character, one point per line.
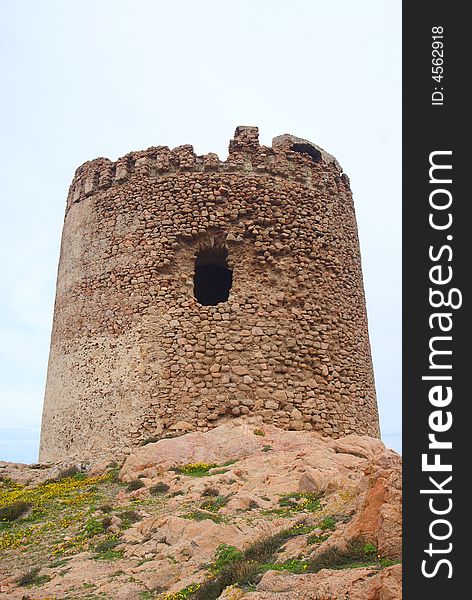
88	78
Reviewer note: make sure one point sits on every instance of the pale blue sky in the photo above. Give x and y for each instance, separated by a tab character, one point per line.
89	78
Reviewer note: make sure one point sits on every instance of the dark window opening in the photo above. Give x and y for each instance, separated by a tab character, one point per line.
213	278
314	154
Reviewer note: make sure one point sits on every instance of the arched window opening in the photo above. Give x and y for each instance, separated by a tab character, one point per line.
213	278
314	154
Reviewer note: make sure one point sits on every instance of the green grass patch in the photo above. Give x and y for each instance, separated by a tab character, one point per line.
328	523
105	545
300	502
300	529
93	527
198	515
109	555
195	469
317	539
201	469
106	550
214	504
294	565
182	594
225	555
294	503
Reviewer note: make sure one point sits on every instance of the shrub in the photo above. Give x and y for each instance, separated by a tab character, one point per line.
267	448
152	439
259	432
210	491
106	550
239	571
13	511
32	577
28	577
235	567
357	552
265	547
159	488
135	485
128	517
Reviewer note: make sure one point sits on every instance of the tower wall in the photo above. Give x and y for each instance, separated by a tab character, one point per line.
133	354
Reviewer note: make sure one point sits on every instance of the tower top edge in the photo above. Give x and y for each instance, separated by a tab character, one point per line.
288	154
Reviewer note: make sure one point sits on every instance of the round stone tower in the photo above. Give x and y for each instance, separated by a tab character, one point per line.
192	290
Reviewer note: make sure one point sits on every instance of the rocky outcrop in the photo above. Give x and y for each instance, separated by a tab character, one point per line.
262	512
351	584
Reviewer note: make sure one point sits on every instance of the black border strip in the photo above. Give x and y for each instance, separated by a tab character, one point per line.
441	128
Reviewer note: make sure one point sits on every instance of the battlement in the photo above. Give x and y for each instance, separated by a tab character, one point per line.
288	157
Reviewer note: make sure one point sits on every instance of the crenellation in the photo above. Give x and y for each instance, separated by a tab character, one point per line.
211	162
183	157
245	155
135	350
124	168
246	139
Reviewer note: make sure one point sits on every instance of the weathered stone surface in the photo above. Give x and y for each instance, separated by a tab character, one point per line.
135	355
177	534
315	460
355	584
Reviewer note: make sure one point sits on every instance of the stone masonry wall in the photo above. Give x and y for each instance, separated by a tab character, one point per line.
133	354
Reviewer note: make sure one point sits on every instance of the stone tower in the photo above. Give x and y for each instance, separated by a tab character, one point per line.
192	290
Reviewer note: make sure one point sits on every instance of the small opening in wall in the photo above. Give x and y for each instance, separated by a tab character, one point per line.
213	278
314	154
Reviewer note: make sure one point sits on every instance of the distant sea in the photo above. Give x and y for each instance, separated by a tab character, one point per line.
19	444
393	440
